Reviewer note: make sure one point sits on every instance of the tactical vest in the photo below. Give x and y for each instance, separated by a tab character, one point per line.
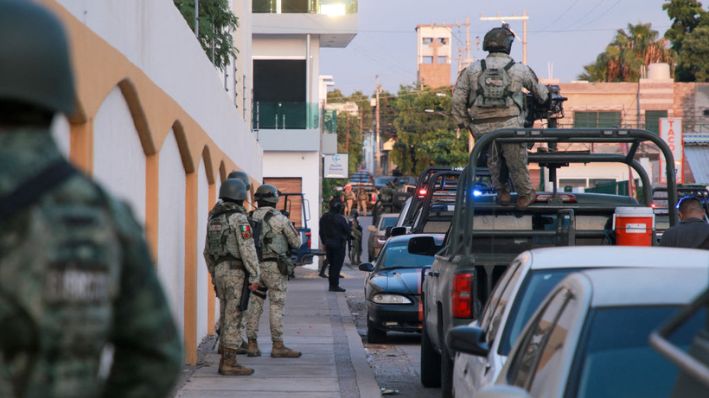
60	271
221	237
273	242
494	94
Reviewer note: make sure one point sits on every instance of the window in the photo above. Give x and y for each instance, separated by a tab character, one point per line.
443	41
427	40
427	60
652	120
497	292
597	119
526	358
502	303
442	60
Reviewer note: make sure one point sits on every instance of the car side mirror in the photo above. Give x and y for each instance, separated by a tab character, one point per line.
398	231
387	232
468	340
502	391
423	245
372	228
366	267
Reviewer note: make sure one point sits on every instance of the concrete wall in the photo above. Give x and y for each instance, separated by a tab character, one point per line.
203	206
305	165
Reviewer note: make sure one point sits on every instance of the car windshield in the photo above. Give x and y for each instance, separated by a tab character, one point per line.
387	222
535	287
396	255
616	360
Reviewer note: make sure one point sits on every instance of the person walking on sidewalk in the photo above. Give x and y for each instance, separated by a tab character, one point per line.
77	275
277	236
334	232
231	258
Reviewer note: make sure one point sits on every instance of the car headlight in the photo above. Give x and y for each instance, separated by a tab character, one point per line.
390	299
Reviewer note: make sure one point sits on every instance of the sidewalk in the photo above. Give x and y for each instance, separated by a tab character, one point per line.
319	324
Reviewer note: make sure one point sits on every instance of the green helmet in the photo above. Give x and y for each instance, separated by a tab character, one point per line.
267	194
34	58
498	40
233	189
241	176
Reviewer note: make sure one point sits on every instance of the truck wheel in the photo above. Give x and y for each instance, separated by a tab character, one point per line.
430	362
374	335
446	374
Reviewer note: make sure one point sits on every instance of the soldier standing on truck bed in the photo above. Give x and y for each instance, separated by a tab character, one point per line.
488	96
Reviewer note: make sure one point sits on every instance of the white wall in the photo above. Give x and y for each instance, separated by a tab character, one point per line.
171	229
305	165
203	207
119	160
596	171
61	131
156	38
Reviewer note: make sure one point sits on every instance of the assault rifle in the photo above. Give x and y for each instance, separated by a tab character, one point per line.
552	109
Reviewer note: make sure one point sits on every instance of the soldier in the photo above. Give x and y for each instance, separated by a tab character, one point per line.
77	278
278	236
220	207
488	96
233	264
349	200
356	235
362	201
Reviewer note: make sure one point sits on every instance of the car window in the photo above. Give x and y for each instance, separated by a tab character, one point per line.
525	360
536	286
397	255
497	292
502	304
387	222
615	360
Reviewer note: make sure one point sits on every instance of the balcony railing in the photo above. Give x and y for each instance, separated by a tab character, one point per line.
285	115
322	7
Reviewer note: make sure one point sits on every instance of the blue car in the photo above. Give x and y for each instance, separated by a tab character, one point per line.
391	289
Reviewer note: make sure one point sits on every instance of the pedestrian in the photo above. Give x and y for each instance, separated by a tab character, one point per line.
278	236
488	96
362	202
77	280
334	232
231	258
350	199
356	237
692	230
220	207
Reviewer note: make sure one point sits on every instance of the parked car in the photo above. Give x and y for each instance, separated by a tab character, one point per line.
527	281
590	336
392	289
377	234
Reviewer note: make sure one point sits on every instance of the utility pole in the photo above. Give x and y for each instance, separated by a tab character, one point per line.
378	153
524	17
196	18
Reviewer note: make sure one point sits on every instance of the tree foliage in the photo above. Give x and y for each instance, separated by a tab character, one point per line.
353	126
216	27
689	35
624	57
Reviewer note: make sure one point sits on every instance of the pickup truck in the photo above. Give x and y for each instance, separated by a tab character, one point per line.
484	236
295	201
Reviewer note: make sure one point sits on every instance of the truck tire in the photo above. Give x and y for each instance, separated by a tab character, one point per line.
446	374
374	335
430	362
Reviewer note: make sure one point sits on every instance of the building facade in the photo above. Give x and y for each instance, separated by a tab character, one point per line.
433	55
287	115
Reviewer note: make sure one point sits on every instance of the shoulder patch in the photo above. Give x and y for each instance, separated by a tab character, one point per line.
245	230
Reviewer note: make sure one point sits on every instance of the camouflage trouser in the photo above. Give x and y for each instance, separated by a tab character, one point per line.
512	155
241	325
229	283
277	284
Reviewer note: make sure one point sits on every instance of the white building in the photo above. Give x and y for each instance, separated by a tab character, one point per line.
287	37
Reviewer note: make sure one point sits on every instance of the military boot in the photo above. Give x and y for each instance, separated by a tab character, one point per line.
229	367
252	349
242	349
504	198
281	351
524	201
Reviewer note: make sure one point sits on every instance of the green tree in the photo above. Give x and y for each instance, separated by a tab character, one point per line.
352	127
689	35
624	57
216	27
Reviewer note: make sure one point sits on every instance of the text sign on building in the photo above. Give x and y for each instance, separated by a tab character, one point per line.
671	132
336	166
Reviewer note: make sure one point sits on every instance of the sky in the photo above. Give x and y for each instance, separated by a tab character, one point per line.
567	34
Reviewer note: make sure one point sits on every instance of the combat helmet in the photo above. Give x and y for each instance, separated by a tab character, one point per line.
34	58
233	189
240	175
499	40
266	194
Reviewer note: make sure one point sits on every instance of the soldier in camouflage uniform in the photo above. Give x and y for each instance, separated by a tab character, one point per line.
76	278
231	259
488	96
278	235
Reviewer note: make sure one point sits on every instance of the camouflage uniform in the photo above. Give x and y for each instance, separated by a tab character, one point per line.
362	201
230	254
77	278
277	236
490	119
